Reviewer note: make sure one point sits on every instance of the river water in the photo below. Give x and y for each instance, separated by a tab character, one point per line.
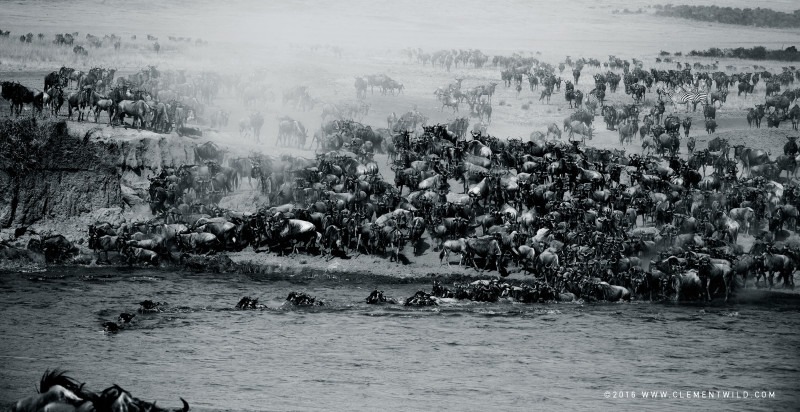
348	355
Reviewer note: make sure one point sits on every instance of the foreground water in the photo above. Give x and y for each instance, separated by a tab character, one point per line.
351	356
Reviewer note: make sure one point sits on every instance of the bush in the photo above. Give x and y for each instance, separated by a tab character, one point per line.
759	17
526	106
23	141
755	53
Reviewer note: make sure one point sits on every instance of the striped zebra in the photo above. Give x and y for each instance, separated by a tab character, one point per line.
677	97
697	96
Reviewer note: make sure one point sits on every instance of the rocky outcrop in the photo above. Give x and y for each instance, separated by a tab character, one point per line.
76	168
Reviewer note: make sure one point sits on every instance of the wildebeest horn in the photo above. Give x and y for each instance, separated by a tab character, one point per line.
185	405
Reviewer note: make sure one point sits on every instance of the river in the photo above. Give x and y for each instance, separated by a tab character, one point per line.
347	355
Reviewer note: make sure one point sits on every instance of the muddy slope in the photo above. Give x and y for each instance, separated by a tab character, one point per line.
77	168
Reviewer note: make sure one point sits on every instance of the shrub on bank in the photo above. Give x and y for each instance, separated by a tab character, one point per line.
729	15
789	54
23	139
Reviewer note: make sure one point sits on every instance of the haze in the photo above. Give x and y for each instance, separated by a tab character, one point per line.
554	28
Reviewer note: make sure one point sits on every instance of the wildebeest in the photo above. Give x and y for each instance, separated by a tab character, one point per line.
77	100
139	110
744	216
488	248
54	79
140	255
256	122
687	285
744	87
55	248
750	157
711	126
687	124
198	242
293	231
610	293
105	244
709	112
56	94
210	151
715	274
18	95
160	122
626	132
780	103
453	246
553	129
782	264
581	129
794	116
290	130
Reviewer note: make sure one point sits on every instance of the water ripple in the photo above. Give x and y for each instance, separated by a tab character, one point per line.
466	355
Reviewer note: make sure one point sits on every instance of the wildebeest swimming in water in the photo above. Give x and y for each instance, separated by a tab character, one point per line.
59	392
377	297
123	321
249	303
421	299
302	299
149	306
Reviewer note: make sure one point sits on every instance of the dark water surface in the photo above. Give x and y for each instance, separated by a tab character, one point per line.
351	356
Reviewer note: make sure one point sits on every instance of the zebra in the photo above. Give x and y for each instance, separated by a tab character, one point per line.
696	96
682	97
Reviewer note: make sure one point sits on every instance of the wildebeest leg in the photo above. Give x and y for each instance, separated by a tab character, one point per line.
358	245
485	263
729	281
470	257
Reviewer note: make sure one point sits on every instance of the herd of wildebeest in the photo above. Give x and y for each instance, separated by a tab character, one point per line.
583	222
